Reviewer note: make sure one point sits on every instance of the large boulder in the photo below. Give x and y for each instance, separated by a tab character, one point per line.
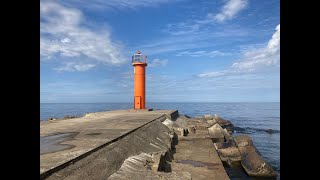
224	123
269	131
252	162
217	134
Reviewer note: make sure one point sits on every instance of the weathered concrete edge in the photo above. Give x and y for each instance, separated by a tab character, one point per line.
173	115
63	165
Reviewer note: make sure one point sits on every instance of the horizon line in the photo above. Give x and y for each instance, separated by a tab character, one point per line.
163	102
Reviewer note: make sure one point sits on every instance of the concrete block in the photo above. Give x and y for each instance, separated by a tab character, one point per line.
208	117
243	140
254	164
211	122
226	124
217	134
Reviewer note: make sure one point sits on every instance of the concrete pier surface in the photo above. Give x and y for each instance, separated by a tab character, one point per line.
160	144
196	154
63	142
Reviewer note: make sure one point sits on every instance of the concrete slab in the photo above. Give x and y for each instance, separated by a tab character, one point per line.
197	155
62	141
152	138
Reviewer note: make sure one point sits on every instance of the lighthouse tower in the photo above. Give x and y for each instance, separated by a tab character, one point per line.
139	63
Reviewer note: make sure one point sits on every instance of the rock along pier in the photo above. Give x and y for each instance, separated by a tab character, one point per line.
146	144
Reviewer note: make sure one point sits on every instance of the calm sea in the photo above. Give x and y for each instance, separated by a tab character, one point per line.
249	118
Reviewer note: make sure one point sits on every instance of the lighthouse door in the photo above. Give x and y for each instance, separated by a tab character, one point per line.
137	103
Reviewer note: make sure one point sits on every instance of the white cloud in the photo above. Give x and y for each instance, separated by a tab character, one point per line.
203	39
62	33
230	10
72	66
212	74
257	60
158	63
191	26
65	40
203	53
274	43
116	4
260	58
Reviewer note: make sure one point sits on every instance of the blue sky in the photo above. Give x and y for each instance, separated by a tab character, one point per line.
198	51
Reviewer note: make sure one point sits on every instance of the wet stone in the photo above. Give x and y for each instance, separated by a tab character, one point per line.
270	131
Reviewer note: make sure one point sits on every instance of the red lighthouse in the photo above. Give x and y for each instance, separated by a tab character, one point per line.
139	63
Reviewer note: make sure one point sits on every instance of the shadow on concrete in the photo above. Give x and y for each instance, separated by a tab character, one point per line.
165	161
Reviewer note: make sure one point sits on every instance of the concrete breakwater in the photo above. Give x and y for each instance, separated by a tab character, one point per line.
236	152
146	145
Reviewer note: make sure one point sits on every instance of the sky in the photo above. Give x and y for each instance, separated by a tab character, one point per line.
198	51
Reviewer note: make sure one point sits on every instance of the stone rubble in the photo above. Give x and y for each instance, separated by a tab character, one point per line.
235	152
